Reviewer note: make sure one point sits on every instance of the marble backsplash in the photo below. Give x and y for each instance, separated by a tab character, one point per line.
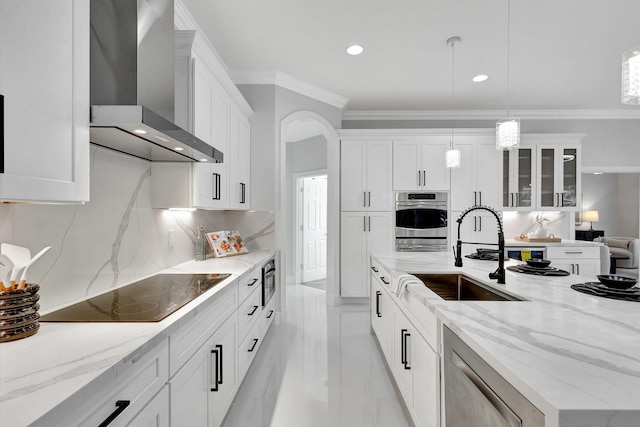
116	237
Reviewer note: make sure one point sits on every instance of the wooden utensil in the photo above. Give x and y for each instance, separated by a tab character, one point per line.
23	278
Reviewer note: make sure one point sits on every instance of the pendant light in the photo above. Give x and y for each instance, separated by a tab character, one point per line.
631	77
452	157
508	130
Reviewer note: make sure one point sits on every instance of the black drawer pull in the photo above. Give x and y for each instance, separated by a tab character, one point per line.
270	314
384	280
121	405
255	307
374	269
255	342
254	282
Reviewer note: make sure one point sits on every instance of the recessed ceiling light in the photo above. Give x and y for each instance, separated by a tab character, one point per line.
480	78
140	131
355	49
178	148
598	173
204	160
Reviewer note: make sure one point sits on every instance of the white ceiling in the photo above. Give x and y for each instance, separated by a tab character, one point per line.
564	54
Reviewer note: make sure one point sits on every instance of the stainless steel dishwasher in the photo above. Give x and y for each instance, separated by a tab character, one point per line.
476	395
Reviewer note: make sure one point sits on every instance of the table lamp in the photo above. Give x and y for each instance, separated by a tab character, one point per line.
591	216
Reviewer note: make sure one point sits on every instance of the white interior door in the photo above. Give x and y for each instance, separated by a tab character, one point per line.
314	228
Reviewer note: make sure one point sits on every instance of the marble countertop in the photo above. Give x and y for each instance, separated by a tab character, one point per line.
64	359
576	357
563	243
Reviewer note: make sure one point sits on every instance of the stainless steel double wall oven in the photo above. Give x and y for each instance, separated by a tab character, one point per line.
422	222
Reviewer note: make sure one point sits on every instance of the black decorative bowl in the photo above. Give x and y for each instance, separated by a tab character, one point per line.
539	263
616	282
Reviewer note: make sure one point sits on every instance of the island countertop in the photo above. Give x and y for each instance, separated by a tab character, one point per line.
576	357
65	361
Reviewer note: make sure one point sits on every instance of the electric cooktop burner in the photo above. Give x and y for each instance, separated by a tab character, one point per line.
600	290
148	300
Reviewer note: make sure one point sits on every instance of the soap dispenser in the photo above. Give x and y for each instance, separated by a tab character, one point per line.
201	242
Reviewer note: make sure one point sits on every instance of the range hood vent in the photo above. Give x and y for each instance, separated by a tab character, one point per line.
132	83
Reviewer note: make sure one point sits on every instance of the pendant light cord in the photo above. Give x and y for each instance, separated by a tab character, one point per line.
508	58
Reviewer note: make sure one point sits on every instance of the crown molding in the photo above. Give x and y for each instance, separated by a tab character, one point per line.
621	114
187	27
286	81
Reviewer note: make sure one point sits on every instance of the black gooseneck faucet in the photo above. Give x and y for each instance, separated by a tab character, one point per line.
499	273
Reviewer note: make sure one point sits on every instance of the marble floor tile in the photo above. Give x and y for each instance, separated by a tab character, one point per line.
319	368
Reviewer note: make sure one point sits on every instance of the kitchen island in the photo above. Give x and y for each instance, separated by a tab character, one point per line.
575	357
46	377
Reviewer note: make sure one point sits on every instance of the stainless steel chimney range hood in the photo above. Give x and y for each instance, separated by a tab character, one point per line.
132	83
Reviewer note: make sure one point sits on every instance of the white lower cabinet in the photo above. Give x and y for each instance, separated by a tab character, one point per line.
581	260
156	413
360	234
202	391
414	364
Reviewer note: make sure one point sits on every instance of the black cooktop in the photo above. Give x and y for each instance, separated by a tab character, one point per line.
600	290
148	300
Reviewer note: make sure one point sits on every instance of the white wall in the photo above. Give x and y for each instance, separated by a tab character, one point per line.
615	197
116	237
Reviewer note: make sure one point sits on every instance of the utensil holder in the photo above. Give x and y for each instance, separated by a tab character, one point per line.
19	313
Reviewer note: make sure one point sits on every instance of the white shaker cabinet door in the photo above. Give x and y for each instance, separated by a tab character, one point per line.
380	196
353	176
435	172
44	82
353	254
407	166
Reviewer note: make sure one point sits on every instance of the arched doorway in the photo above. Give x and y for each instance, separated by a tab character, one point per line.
306	125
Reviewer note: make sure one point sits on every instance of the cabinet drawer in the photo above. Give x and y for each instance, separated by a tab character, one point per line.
132	390
569	252
249	283
249	312
248	348
378	272
185	341
267	317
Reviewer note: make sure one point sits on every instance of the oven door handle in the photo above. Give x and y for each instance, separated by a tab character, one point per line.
271	271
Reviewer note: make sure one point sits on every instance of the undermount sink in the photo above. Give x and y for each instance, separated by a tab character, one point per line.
458	287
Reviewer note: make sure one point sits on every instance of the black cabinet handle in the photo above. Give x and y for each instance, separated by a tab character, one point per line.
480	223
369	223
369	202
480	197
243	192
374	269
218	370
424	177
121	405
475	223
254	282
364	223
475	197
255	342
216	186
364	199
378	293
384	280
419	179
270	314
404	334
255	307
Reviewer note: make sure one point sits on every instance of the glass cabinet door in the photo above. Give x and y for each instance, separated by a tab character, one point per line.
569	177
525	178
547	178
517	178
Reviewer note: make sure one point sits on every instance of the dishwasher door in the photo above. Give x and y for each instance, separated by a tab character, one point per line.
476	395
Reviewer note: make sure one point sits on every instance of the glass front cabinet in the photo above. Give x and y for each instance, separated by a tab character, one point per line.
559	180
518	179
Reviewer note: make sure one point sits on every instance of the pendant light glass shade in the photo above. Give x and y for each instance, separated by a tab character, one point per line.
452	158
631	77
507	134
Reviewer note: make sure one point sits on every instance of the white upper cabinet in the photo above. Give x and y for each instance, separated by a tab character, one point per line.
365	176
477	180
44	82
559	177
518	179
419	164
205	106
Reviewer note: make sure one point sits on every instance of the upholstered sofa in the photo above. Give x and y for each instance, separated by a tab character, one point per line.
629	246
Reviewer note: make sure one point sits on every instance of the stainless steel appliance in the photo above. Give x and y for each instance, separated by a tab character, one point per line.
422	222
148	300
133	84
476	395
268	281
